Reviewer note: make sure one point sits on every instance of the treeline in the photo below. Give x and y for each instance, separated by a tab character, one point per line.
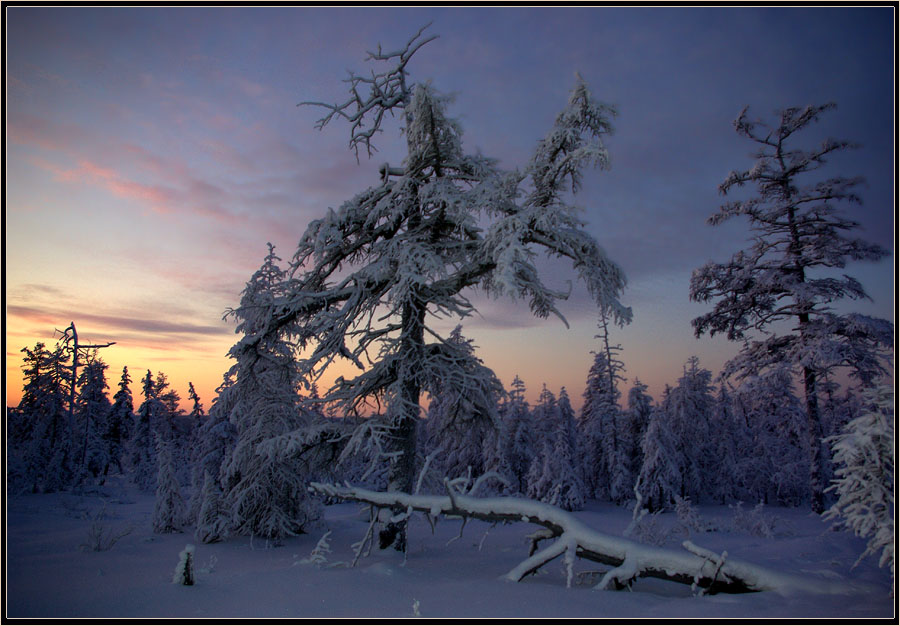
244	467
60	437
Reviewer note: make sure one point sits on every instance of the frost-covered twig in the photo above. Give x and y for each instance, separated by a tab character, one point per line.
359	546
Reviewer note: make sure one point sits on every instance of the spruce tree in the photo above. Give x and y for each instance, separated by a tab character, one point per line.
660	479
143	443
605	460
265	491
515	443
93	411
168	508
462	419
119	425
215	443
48	457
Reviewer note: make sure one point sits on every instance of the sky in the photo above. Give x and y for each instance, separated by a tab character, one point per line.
152	152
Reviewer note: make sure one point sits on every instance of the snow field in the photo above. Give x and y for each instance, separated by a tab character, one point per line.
50	576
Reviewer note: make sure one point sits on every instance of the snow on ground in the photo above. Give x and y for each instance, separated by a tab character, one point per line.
50	576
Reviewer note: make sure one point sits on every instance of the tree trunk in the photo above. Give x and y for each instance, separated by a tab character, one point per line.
814	427
402	471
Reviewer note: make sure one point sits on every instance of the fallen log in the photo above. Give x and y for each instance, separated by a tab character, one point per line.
629	560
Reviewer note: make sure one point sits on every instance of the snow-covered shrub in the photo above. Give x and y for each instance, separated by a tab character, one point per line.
649	529
689	518
754	522
319	554
101	536
184	571
864	452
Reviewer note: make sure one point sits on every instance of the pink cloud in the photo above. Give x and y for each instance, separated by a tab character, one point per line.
25	129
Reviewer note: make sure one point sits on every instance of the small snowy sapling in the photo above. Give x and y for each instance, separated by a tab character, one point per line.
184	571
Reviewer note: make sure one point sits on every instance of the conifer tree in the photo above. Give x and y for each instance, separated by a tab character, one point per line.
605	461
213	518
637	417
370	277
660	479
119	425
46	433
168	507
787	274
688	408
462	418
266	492
515	444
93	409
215	443
555	475
864	483
143	444
774	463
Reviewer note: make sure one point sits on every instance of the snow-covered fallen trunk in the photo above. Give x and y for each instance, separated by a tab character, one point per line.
629	560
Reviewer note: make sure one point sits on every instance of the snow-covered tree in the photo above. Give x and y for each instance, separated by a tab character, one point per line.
215	442
727	441
606	466
143	443
93	412
772	459
660	478
788	273
555	475
213	518
265	491
169	415
168	507
45	449
462	419
368	279
864	483
118	429
515	448
637	417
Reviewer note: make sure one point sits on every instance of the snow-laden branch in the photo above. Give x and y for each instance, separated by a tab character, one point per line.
629	560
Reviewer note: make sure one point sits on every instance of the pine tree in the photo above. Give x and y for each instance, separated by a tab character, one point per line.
213	518
555	475
389	261
775	462
725	436
786	275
